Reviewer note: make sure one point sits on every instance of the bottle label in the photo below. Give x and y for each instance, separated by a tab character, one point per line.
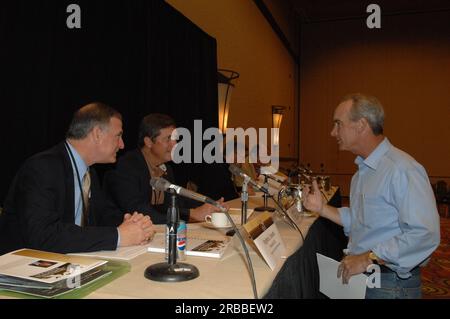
181	241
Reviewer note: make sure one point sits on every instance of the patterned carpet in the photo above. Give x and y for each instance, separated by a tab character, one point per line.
436	275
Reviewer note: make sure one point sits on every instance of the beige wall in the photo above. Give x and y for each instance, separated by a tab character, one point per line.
247	44
406	65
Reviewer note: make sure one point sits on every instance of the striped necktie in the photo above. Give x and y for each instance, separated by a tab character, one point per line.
86	187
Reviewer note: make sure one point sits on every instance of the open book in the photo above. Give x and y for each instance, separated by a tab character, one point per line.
47	274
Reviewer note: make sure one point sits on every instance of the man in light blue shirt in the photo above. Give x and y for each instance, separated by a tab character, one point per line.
392	219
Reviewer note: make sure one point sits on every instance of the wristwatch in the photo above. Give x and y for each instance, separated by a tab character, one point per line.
374	258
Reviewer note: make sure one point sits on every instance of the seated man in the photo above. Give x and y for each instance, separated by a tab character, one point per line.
55	202
128	185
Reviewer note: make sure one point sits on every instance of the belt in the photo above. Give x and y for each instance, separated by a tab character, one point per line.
385	269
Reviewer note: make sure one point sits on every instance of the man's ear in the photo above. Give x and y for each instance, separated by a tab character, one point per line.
148	142
363	124
97	134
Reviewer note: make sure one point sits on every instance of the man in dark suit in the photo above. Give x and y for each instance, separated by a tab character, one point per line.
48	207
128	185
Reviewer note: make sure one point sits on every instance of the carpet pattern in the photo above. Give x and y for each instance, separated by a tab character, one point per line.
436	275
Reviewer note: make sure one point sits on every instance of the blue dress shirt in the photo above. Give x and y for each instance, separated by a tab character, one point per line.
392	210
82	168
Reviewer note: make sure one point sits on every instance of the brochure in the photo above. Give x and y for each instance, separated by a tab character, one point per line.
47	274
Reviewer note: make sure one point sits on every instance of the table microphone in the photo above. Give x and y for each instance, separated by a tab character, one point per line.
238	172
273	178
164	185
170	271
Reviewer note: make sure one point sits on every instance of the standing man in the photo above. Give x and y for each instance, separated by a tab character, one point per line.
129	184
392	220
55	202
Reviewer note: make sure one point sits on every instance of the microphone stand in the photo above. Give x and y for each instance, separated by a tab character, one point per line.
172	271
244	200
265	208
244	246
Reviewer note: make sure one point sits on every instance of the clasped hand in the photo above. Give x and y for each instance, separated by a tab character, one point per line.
136	229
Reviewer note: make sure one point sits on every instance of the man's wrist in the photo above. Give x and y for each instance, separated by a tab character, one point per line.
375	259
322	210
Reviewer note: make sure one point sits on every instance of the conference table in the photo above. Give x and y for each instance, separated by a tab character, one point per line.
229	277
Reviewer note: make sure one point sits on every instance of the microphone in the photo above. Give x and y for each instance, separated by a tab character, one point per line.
164	185
274	178
269	171
238	172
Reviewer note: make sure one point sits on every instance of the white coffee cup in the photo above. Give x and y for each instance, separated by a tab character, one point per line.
218	220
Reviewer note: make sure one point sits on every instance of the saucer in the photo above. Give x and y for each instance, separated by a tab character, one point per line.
211	226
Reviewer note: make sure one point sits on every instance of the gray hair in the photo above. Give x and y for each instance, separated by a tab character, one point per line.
87	117
368	107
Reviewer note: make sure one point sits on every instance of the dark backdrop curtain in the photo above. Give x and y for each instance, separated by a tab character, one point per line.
139	56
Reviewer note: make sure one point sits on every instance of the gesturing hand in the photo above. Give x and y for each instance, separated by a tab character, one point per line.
312	199
199	213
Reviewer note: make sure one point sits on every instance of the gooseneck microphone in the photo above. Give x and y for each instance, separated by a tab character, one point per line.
164	185
269	172
278	180
171	271
238	172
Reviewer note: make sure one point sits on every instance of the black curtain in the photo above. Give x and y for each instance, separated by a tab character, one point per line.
139	56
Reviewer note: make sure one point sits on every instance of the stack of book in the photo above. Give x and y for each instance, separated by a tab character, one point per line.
198	244
47	274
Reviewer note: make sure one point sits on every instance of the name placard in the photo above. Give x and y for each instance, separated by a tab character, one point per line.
264	233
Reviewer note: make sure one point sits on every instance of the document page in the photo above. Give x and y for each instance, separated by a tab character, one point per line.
333	287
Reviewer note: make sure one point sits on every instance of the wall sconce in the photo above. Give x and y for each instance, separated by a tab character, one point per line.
225	87
277	116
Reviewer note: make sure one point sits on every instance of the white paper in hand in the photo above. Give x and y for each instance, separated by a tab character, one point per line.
333	287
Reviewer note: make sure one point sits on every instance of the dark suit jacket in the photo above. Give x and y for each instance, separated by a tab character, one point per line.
39	209
128	186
